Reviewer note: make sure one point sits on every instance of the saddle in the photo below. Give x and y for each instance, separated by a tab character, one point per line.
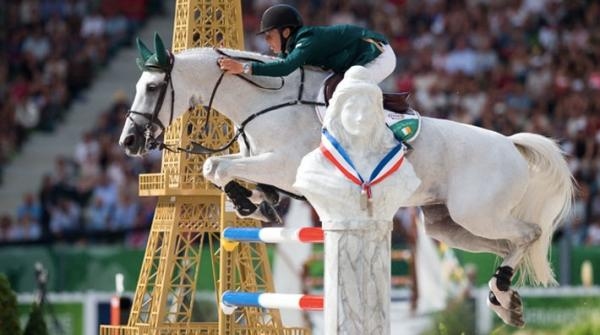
393	102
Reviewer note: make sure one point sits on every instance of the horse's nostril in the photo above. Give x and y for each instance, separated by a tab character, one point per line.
129	140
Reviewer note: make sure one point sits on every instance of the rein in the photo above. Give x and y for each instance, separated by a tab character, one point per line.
208	108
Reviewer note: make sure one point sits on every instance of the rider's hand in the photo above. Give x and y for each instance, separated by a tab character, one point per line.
230	66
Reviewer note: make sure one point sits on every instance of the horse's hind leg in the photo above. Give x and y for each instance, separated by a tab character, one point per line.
502	299
440	226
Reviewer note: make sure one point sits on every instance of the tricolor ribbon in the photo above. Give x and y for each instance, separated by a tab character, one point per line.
336	154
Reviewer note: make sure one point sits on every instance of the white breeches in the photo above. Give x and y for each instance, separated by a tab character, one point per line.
382	66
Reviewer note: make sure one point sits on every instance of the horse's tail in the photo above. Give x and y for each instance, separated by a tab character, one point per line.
547	201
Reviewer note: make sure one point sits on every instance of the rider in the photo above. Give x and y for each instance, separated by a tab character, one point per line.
335	48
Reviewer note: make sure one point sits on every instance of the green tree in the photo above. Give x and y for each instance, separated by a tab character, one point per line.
9	315
36	324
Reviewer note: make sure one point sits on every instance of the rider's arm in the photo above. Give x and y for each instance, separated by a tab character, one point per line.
285	66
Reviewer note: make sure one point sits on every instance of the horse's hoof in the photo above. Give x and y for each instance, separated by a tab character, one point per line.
245	211
500	286
239	197
512	316
508	299
269	192
235	191
265	213
492	299
269	212
516	319
515	301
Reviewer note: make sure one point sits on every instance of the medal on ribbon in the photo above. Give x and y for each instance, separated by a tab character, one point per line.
335	153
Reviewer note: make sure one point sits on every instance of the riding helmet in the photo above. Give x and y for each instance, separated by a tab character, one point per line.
280	16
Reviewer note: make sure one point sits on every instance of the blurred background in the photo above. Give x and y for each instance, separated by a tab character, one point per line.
68	194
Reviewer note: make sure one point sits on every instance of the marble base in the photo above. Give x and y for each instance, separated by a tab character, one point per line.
357	280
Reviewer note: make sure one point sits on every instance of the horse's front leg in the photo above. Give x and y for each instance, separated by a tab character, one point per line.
257	204
267	168
245	208
217	170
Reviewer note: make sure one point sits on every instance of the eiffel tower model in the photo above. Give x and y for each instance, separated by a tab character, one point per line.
191	214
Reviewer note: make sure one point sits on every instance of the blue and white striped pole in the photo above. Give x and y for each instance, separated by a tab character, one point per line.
231	300
274	235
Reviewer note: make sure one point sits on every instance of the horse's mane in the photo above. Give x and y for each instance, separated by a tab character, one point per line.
231	52
210	51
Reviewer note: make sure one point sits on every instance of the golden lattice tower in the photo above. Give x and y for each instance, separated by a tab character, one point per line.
190	213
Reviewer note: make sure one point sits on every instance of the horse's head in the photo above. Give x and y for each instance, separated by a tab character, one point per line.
152	108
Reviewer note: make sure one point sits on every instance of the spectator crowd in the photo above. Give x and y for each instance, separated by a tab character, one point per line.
52	51
506	65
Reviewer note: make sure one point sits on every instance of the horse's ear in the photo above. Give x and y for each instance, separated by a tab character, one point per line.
161	53
145	53
140	64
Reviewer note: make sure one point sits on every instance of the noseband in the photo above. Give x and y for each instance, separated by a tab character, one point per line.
146	131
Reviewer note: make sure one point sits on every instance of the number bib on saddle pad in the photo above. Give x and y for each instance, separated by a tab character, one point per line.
406	127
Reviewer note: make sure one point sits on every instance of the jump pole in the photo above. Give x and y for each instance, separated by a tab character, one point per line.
232	300
274	235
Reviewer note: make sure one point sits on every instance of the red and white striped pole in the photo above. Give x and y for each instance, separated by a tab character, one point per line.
274	235
232	300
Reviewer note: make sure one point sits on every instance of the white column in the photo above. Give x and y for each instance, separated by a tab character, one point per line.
357	279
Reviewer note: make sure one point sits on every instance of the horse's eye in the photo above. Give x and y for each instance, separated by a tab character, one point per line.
151	87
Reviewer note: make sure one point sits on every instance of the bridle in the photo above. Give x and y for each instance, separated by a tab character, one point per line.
153	142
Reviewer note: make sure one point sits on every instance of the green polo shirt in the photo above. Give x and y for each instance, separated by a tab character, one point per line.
334	48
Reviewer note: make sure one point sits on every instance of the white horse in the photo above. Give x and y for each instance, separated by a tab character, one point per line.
480	191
